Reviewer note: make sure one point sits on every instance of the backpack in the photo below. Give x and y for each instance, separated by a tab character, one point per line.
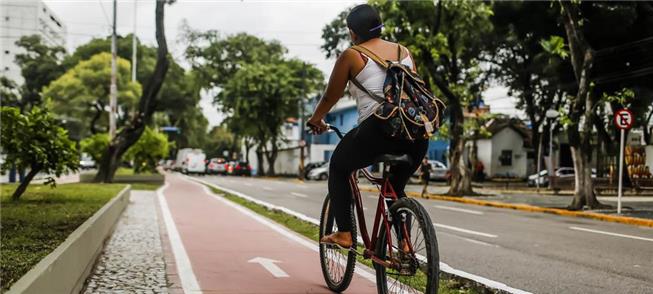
410	110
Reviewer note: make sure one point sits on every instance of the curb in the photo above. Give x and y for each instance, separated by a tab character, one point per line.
65	269
530	208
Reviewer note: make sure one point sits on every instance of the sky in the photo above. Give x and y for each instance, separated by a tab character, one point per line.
296	24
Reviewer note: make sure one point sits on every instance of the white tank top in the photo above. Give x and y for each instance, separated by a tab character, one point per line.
372	78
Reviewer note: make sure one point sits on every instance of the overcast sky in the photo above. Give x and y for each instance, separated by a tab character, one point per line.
296	24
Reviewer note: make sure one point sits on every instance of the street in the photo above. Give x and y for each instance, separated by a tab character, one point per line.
533	252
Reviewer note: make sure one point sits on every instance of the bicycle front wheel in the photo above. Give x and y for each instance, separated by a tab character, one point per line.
337	264
417	272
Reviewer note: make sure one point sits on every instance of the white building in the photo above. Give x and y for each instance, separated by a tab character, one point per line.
505	153
23	18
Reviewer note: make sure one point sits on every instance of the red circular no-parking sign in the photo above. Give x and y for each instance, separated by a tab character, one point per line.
623	118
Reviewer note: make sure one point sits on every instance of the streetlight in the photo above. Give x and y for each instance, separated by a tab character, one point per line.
551	114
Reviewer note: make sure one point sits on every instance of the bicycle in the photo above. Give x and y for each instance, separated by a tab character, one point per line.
398	225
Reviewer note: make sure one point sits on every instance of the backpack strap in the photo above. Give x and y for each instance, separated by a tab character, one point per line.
370	54
375	97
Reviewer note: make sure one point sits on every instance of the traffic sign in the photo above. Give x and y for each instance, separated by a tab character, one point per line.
623	119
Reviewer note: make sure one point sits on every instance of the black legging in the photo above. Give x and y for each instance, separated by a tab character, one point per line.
357	150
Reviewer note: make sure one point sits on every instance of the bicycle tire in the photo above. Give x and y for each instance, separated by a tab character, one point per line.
327	220
430	249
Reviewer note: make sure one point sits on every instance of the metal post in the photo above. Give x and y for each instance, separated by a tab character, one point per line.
551	160
621	170
301	124
113	88
134	47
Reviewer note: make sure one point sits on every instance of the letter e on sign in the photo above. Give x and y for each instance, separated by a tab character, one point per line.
623	119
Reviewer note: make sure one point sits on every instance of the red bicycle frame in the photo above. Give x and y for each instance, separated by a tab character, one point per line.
381	216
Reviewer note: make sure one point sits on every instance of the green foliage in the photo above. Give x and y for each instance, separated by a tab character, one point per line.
35	141
555	45
39	65
42	220
95	145
74	94
151	147
622	97
219	139
9	93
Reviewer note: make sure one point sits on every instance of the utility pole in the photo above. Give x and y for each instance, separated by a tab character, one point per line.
134	48
302	141
113	89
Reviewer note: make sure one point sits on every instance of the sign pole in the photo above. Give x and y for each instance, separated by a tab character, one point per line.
621	170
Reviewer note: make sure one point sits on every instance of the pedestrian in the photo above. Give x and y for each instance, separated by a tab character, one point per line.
425	170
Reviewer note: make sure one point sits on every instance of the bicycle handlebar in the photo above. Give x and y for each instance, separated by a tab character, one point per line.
330	127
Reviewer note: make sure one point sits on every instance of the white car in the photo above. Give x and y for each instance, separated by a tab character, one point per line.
217	166
319	173
563	172
194	163
86	162
439	171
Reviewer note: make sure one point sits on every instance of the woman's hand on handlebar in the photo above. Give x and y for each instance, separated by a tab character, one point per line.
318	126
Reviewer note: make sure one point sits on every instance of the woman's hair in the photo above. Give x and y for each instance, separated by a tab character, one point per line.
365	21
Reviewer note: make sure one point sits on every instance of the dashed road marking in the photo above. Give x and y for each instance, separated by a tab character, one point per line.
298	194
470	240
465	230
267	188
470	211
612	234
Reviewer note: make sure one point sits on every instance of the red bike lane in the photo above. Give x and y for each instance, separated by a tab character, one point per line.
229	249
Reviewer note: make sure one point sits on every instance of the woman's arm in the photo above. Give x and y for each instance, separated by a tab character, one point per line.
334	91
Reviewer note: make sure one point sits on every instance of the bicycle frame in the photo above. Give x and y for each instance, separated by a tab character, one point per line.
381	216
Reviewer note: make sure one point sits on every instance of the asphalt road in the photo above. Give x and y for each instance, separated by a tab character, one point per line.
534	252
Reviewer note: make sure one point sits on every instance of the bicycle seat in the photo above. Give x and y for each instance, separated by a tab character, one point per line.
394	159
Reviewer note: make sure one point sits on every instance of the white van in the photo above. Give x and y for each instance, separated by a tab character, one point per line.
195	162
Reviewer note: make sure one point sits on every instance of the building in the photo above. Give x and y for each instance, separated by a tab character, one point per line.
506	152
23	18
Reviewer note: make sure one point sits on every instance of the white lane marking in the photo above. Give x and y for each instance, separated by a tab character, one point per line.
269	265
188	280
359	268
299	194
458	209
465	230
266	188
248	184
374	196
470	240
612	234
364	208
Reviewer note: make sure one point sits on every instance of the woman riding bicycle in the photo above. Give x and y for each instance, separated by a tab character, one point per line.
367	141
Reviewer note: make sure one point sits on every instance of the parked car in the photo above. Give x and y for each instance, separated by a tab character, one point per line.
217	166
241	168
309	167
168	164
319	173
563	172
86	162
194	162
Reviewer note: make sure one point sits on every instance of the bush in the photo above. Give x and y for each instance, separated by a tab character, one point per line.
151	147
95	145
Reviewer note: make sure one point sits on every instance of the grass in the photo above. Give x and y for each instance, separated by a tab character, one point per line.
142	181
311	231
41	220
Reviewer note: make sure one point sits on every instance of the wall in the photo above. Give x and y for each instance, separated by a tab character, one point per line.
508	139
484	154
649	157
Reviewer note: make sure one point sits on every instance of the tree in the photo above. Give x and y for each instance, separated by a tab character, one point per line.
219	139
264	95
83	92
35	141
9	92
151	147
594	32
447	42
95	145
179	93
132	131
39	65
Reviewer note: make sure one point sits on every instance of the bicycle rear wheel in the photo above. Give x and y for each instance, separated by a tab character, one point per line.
419	271
337	264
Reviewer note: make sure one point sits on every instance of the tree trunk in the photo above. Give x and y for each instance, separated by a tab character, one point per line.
248	146
259	159
272	158
147	104
23	185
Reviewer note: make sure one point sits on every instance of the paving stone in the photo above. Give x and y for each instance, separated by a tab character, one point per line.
132	260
